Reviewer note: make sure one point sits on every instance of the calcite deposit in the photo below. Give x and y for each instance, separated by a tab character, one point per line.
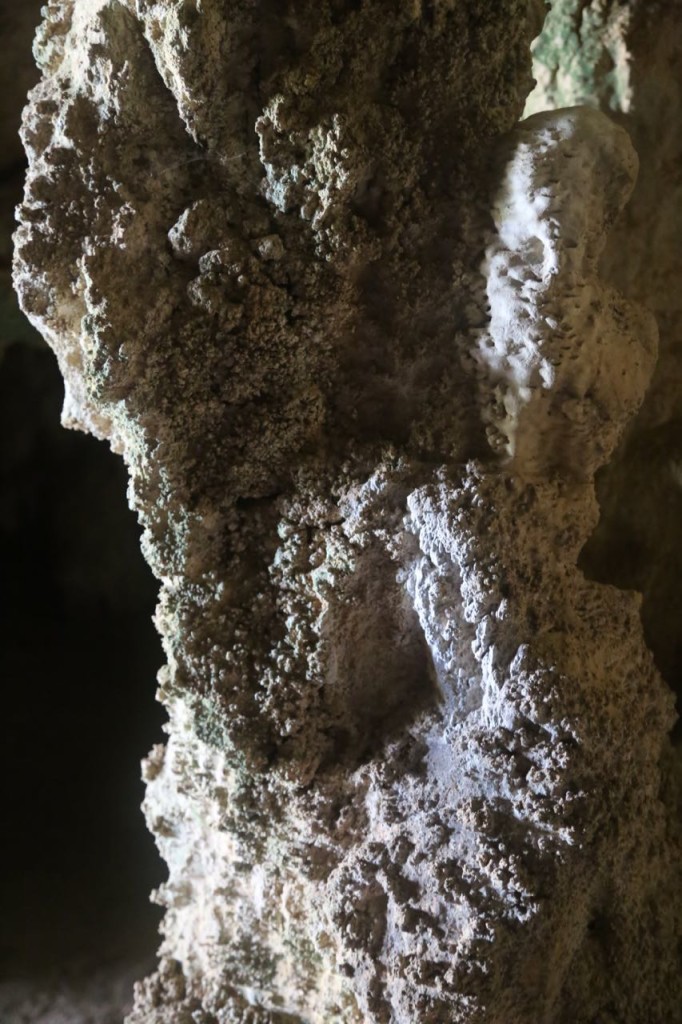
625	58
343	318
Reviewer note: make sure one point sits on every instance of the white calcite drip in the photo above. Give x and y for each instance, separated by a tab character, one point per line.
567	359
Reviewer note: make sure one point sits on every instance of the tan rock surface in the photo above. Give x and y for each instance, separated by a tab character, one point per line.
413	766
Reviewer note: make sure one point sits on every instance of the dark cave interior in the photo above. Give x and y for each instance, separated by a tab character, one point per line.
78	657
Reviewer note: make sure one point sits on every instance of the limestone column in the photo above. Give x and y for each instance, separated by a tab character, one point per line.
346	326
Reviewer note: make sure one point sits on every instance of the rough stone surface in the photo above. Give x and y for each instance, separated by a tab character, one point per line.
626	59
350	337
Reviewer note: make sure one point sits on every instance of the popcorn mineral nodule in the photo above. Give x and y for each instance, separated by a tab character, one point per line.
342	316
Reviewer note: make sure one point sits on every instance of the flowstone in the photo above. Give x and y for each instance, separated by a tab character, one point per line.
413	766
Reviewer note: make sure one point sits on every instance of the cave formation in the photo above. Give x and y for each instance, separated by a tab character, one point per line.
383	319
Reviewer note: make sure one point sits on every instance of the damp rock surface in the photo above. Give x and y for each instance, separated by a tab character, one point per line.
345	322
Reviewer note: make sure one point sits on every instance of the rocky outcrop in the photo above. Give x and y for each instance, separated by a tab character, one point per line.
413	766
625	58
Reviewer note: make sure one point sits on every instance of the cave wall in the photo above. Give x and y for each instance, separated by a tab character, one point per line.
625	59
364	342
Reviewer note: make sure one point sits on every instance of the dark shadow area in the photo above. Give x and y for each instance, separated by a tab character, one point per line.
636	545
78	659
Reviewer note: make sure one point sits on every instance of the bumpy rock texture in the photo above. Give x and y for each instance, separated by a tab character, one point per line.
626	59
348	331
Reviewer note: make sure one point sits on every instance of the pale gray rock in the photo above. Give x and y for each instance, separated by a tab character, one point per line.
413	760
559	340
625	58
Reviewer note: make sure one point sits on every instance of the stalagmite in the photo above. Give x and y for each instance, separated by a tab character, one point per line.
343	318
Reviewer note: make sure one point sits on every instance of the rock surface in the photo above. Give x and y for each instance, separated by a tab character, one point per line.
416	766
626	58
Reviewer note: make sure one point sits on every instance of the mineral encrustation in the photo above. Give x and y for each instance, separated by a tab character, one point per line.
343	318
